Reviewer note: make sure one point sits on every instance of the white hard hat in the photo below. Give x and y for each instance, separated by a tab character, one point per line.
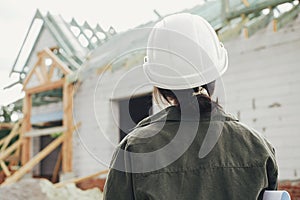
183	51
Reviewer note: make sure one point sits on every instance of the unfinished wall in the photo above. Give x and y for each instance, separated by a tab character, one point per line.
262	90
96	107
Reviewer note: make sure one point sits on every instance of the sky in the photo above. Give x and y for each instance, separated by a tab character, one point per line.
16	16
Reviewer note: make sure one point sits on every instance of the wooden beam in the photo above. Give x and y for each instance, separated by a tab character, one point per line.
43	69
5	141
50	73
232	31
11	135
10	149
256	24
56	60
2	141
31	72
45	131
15	158
5	126
35	160
26	126
45	87
40	76
255	8
78	180
40	69
67	147
5	168
246	3
285	18
57	167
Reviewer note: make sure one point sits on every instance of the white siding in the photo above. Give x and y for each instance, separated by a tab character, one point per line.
262	85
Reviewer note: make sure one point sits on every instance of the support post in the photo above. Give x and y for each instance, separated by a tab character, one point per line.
26	126
67	147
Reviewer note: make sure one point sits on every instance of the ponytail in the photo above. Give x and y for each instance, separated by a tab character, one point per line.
195	99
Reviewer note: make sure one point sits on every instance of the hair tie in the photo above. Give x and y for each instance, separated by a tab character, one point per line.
201	91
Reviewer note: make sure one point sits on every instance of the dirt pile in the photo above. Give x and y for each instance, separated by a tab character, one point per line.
42	189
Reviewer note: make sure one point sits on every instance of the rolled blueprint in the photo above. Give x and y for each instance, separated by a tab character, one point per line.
276	195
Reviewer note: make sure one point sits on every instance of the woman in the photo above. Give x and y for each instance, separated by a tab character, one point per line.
192	149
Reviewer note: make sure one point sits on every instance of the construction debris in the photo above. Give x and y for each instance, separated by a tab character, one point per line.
36	189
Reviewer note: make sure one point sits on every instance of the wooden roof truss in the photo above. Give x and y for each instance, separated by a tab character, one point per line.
250	24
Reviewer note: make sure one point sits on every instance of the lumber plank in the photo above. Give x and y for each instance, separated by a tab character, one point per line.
31	72
255	8
61	65
5	126
10	136
10	149
46	131
35	160
26	126
232	31
45	87
43	69
256	24
246	3
50	73
56	167
5	168
285	18
78	180
39	75
67	147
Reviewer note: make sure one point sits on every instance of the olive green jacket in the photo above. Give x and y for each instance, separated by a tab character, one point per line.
241	164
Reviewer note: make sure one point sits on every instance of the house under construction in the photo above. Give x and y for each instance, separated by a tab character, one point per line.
79	82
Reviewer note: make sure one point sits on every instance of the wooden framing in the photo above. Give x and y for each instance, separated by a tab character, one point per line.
44	73
56	168
5	168
10	149
255	8
35	160
14	132
6	151
246	3
26	126
67	148
4	126
78	180
44	76
45	131
285	18
256	24
233	31
45	87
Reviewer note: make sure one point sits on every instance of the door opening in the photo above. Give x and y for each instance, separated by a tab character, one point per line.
132	111
52	162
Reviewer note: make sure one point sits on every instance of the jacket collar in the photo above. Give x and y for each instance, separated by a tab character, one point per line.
172	113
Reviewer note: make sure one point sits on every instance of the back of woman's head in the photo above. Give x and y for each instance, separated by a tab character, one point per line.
194	99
